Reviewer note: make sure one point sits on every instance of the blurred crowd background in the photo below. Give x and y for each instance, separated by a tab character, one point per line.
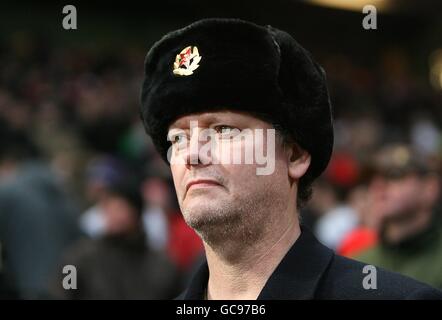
80	182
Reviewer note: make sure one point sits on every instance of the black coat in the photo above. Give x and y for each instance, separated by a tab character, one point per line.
312	271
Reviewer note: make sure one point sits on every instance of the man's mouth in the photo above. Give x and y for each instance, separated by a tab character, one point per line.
202	183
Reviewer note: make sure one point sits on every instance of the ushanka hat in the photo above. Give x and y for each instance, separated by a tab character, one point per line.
230	64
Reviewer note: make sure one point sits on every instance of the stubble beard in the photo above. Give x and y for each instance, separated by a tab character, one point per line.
241	220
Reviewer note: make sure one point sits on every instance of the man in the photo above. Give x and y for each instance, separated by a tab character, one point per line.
407	195
220	79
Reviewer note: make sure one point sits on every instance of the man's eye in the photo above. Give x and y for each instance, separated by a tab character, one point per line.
178	139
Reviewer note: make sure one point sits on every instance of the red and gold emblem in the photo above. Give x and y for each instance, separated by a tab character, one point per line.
186	61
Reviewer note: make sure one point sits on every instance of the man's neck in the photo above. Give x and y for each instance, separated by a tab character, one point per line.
244	275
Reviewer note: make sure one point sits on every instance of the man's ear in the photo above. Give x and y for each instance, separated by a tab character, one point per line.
298	161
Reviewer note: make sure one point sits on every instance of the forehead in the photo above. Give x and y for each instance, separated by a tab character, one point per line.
229	117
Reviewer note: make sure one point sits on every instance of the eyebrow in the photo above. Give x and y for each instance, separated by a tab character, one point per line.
204	119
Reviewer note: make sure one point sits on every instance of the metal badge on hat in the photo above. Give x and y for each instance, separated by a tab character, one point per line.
186	61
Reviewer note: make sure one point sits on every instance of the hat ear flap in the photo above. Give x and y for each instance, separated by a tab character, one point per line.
306	101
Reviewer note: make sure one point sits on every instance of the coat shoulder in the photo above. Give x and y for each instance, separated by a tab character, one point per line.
350	279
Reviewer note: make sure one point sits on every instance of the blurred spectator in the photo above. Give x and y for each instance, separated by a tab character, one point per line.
364	235
406	203
158	197
120	265
331	228
101	174
37	220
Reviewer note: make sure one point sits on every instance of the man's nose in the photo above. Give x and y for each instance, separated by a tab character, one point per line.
197	152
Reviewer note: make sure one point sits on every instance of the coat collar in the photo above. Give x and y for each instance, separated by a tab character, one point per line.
296	277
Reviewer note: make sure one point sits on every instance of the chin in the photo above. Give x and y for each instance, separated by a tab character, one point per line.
200	215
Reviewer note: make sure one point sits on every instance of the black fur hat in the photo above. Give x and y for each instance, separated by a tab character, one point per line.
240	66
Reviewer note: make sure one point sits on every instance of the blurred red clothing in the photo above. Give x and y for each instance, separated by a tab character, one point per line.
184	245
357	241
343	170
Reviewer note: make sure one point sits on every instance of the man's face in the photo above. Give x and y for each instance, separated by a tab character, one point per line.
399	197
223	195
120	217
